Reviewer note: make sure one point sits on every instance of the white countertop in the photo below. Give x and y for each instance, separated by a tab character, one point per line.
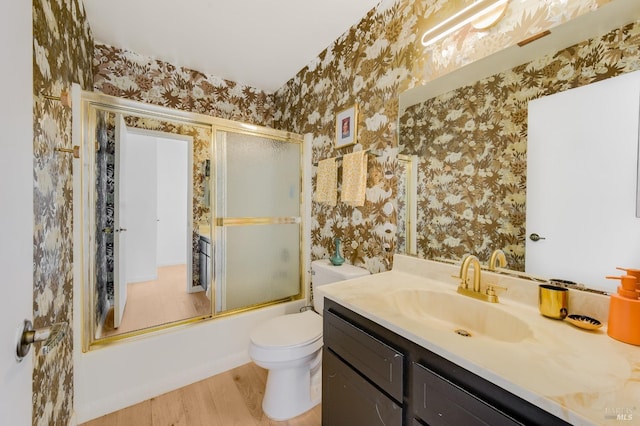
583	377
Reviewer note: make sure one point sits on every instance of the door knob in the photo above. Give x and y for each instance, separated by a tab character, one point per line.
121	229
51	336
536	237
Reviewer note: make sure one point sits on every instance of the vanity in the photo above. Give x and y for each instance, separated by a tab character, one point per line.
404	348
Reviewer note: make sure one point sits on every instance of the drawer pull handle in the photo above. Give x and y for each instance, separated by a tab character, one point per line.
379	416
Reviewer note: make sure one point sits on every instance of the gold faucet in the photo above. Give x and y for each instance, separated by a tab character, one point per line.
497	257
464	272
489	295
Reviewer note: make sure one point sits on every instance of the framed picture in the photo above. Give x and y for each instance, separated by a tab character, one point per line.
347	126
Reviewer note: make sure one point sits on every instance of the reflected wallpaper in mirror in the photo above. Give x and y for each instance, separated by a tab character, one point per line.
472	146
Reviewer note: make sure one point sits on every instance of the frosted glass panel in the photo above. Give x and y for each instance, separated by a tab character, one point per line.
262	177
262	264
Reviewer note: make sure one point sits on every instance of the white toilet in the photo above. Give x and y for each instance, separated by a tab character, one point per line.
290	347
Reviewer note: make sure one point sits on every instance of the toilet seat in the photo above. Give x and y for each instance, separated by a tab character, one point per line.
288	331
287	338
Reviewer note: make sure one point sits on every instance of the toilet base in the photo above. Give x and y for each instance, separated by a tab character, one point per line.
291	392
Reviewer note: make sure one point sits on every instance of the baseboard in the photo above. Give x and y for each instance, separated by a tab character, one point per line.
132	396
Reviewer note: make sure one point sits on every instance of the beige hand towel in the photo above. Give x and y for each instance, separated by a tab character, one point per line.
327	182
354	178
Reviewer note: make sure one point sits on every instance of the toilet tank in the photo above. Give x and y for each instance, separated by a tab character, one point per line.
323	272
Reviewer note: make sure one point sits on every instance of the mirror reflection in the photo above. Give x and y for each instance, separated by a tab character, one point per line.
471	140
185	217
152	196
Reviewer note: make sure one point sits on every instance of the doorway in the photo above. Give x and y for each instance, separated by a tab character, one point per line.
145	236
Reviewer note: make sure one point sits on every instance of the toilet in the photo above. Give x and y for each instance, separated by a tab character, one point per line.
290	347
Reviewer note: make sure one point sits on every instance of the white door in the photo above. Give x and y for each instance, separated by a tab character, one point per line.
119	224
582	171
16	214
142	210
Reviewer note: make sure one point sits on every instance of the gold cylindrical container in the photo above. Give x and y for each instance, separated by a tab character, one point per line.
553	302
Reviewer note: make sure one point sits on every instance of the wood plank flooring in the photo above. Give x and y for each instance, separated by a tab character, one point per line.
158	302
230	398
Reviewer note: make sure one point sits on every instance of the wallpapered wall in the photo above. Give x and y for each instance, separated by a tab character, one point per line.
129	75
63	48
368	65
472	147
371	65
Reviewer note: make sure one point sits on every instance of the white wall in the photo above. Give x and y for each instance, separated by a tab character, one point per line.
173	200
16	215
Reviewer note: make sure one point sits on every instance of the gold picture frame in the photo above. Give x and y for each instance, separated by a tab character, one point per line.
347	126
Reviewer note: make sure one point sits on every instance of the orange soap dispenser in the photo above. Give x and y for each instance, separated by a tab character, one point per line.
634	272
624	311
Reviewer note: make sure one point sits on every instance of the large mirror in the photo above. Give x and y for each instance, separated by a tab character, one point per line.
468	133
158	192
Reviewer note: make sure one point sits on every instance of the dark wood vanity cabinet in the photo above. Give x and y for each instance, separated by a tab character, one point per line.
438	401
362	376
353	400
372	376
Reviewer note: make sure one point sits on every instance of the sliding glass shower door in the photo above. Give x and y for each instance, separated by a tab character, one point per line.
258	225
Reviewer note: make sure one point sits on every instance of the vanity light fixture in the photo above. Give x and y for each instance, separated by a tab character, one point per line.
482	13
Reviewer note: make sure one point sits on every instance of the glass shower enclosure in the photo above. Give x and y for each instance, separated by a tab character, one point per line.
257	220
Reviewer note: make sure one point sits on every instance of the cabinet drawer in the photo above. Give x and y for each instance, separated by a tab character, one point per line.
438	401
348	399
373	358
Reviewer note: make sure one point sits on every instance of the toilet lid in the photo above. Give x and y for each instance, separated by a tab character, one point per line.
288	330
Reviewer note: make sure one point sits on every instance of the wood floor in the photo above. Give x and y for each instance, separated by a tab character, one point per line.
230	398
158	302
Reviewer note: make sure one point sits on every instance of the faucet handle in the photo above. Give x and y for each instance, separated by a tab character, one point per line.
491	292
491	289
462	282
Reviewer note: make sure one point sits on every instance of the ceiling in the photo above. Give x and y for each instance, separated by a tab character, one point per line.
259	43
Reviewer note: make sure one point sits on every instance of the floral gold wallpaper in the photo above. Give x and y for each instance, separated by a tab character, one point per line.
472	145
371	64
118	72
368	65
62	52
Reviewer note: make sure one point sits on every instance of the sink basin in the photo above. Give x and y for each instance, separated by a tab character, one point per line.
454	311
